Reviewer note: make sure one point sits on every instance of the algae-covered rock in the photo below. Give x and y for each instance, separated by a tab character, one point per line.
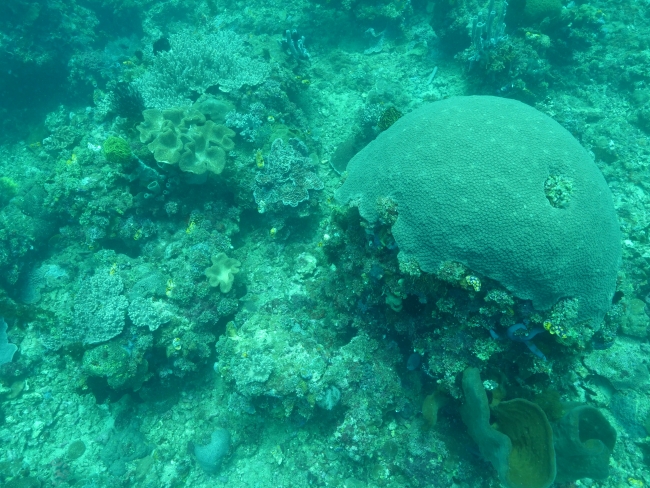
520	448
23	482
621	364
431	405
636	321
114	363
211	455
584	441
468	176
124	446
7	350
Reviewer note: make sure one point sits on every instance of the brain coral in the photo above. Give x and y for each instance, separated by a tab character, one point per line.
471	176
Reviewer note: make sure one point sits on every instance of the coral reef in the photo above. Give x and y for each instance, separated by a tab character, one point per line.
287	176
99	308
195	62
212	276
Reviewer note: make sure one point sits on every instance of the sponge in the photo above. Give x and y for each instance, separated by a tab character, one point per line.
210	456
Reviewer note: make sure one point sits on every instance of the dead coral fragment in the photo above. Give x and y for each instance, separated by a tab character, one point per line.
222	272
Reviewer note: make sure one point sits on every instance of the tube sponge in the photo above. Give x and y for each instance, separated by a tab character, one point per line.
521	447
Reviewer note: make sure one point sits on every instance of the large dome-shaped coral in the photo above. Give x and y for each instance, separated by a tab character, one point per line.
500	187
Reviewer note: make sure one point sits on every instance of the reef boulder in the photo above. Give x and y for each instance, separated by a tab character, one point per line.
500	187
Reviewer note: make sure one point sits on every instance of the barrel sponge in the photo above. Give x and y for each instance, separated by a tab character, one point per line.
500	187
519	445
584	442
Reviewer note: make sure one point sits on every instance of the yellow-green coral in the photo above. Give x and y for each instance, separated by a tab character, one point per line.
188	136
388	118
117	150
222	272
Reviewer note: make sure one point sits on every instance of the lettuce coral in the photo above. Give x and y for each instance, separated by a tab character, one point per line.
187	137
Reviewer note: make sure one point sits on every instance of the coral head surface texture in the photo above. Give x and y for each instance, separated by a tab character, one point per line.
470	178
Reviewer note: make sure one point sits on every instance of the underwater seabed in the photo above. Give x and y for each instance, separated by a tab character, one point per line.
324	243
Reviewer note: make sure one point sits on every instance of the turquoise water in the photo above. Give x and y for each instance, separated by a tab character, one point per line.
338	243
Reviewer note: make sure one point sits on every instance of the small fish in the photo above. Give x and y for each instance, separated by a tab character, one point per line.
413	362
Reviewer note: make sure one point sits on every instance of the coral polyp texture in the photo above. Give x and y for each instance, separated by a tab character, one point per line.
468	176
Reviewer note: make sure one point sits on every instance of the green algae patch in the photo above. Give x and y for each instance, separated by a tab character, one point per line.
116	150
8	189
75	450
